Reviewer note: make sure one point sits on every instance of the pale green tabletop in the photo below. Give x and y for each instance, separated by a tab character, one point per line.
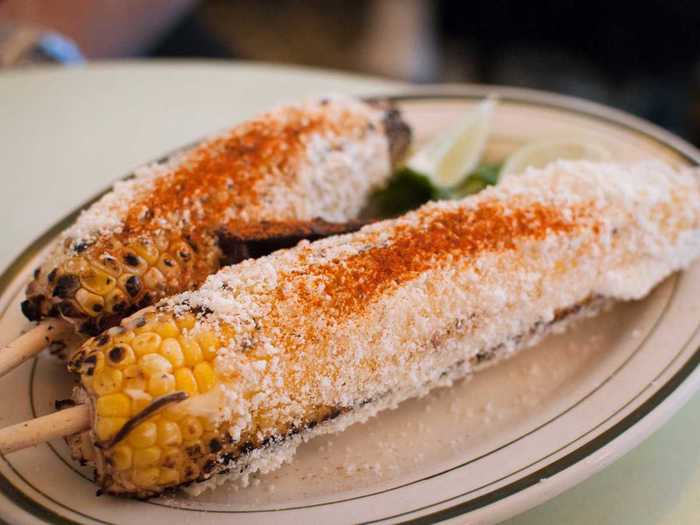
97	123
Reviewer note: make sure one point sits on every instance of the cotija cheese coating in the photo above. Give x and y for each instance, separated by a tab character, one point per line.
228	379
297	171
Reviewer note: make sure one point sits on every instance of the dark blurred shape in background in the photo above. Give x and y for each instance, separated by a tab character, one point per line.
643	57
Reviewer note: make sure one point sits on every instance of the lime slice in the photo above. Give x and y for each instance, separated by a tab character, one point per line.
540	153
450	157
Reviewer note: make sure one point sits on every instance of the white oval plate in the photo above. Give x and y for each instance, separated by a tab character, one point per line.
487	448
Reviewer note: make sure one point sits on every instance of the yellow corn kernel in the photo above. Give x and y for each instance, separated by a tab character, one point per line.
122	457
135	386
174	413
147	343
145	478
186	321
172	458
107	381
209	343
146	457
120	356
191	351
97	281
144	435
191	428
106	427
168	266
155	364
133	372
161	384
168	476
140	402
113	405
185	381
116	301
89	302
168	433
125	336
167	329
170	349
147	250
205	376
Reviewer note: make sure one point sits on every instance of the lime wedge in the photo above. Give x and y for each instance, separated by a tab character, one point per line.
450	157
540	153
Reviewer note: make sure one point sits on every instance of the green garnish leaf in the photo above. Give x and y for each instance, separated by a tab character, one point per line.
406	190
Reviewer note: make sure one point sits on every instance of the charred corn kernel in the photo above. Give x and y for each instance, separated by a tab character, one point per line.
140	402
107	381
106	427
121	356
168	266
133	372
185	381
205	376
153	279
131	284
114	405
146	457
168	433
116	301
168	476
147	343
147	250
144	435
109	264
209	343
167	329
161	384
186	321
97	281
147	477
191	351
155	364
191	428
182	252
90	303
122	457
170	349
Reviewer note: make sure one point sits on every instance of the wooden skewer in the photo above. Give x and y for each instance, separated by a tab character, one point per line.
44	428
31	343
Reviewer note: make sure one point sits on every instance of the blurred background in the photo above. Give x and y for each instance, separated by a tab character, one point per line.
643	57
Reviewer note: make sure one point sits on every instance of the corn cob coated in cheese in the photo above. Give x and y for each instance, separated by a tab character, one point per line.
228	379
295	171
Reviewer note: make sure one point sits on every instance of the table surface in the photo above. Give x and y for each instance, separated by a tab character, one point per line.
66	133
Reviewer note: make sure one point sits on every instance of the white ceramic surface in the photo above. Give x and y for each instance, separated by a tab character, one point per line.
479	452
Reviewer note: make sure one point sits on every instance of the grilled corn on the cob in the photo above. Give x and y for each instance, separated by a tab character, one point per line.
270	352
294	171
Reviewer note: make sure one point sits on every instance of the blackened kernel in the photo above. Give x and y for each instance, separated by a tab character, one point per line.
131	259
169	263
140	322
52	275
68	309
209	466
90	371
37	272
102	340
80	246
66	285
133	286
116	354
97	307
146	300
215	445
91	359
